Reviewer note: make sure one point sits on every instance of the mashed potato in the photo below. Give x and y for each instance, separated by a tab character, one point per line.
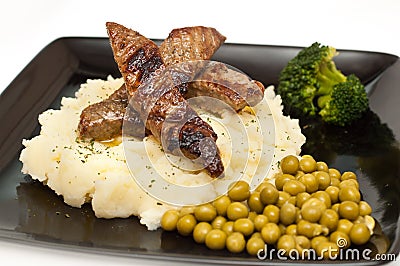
97	172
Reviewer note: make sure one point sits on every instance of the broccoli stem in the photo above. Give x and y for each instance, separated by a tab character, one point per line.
328	76
323	100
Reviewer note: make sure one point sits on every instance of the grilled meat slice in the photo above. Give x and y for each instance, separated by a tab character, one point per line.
189	44
103	120
227	85
138	59
184	44
200	43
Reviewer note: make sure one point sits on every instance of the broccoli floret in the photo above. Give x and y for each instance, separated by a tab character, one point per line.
311	84
346	102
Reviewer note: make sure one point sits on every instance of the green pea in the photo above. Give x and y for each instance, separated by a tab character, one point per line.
310	181
186	224
228	227
200	232
280	180
294	187
269	195
273	213
237	210
330	219
316	241
287	214
344	225
286	243
186	210
244	226
169	220
235	242
216	239
256	234
312	210
349	183
221	204
254	244
205	213
323	179
301	198
302	243
308	164
334	173
333	193
335	207
270	233
359	234
260	221
239	191
311	230
335	182
365	208
349	193
282	198
252	216
324	197
289	164
322	166
348	175
299	174
349	210
254	202
218	222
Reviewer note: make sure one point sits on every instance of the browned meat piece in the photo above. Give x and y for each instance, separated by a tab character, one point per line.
200	43
182	45
228	85
138	59
103	120
190	43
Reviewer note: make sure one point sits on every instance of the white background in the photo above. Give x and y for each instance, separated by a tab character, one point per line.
27	26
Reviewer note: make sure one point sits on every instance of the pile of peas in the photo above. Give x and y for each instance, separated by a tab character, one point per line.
310	206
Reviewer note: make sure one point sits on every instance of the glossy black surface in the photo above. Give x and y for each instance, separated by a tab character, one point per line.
32	213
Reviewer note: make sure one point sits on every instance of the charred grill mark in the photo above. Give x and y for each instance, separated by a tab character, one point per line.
215	167
196	140
136	56
145	62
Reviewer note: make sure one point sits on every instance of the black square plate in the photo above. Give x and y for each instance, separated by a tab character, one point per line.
30	212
